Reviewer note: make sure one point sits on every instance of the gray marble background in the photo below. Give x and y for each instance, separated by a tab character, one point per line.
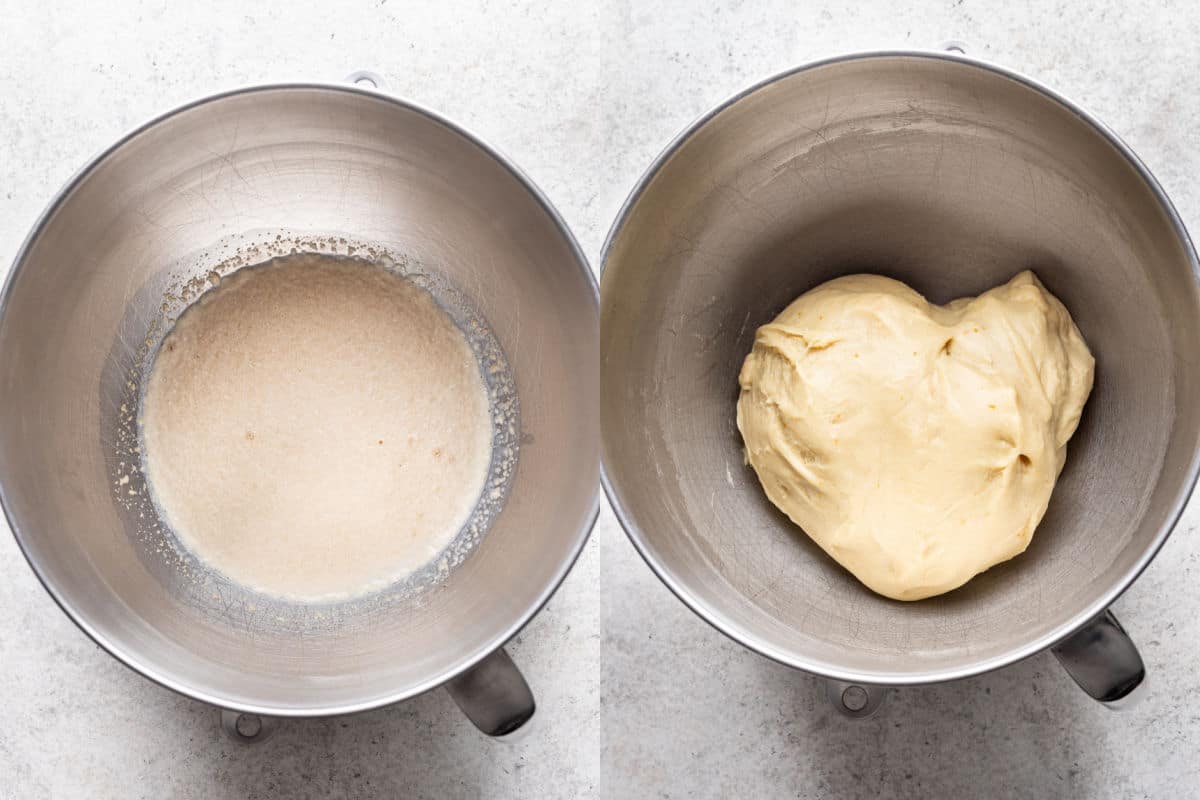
638	697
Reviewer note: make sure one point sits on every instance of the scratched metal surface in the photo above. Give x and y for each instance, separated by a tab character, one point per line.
951	178
212	188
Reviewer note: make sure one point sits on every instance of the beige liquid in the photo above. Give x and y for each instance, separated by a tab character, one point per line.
316	428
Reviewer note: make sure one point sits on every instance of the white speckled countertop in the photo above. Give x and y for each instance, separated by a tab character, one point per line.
637	696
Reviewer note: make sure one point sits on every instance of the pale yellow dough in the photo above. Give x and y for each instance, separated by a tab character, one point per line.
916	444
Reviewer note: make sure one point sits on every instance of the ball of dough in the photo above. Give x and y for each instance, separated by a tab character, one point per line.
916	444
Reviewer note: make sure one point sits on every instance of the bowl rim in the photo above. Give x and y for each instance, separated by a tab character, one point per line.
724	623
130	658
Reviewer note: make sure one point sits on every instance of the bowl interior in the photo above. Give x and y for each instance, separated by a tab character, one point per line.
242	177
952	177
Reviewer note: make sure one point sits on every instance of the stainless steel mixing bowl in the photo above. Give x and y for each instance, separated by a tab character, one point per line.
951	175
319	161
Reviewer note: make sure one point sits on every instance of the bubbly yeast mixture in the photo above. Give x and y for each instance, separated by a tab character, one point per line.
916	444
316	428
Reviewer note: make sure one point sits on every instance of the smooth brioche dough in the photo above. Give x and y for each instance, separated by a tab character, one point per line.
916	444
